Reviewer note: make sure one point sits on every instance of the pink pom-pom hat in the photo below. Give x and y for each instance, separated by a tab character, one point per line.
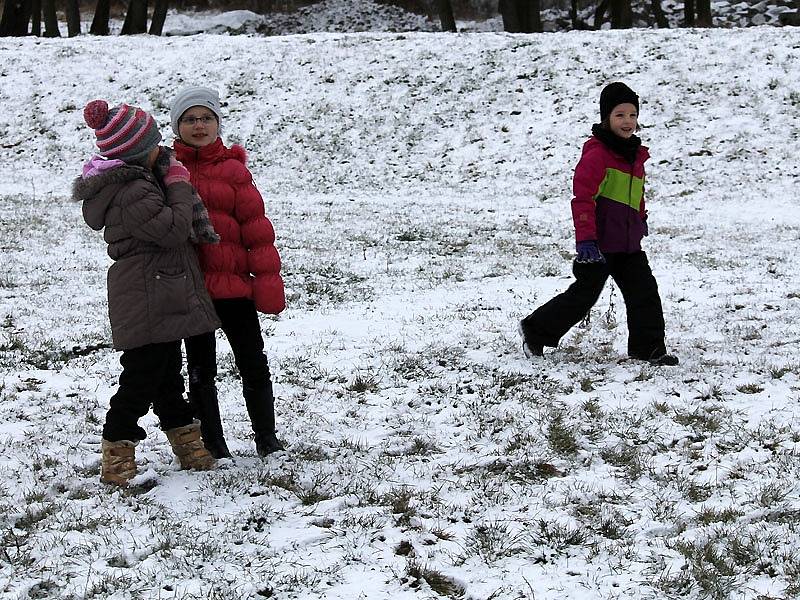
126	133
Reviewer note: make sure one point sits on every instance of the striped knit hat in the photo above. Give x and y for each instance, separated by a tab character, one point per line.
124	132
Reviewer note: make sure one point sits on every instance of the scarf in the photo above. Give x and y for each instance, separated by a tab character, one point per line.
202	229
626	148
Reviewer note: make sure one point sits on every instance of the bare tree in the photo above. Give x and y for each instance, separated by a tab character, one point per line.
521	16
600	13
159	16
703	13
621	14
446	17
36	18
688	13
50	19
102	12
573	16
73	18
16	14
658	13
135	18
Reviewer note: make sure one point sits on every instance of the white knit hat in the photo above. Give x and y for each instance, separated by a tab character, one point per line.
190	97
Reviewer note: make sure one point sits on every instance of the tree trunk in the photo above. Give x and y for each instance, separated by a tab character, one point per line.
446	17
621	15
16	14
530	15
658	13
50	19
159	16
508	10
36	18
100	20
600	13
135	18
573	13
703	13
73	18
521	16
688	13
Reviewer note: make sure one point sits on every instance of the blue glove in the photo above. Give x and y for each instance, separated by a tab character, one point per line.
588	252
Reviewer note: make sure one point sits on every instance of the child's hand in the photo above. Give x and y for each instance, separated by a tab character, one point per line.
589	253
176	172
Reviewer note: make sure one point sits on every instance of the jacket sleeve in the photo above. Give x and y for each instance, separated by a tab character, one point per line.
149	215
642	209
589	174
258	238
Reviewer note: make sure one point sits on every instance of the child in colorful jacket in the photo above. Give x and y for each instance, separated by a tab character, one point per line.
145	206
608	211
242	272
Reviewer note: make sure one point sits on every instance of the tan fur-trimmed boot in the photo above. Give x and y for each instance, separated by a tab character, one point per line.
118	465
187	444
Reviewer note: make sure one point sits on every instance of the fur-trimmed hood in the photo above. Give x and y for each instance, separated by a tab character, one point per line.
98	192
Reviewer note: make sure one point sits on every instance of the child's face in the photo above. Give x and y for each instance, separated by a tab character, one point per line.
623	120
198	127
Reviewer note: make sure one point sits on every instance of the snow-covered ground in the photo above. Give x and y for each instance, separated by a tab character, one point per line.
420	185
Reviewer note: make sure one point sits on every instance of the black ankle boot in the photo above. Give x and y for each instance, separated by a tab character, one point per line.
260	403
267	443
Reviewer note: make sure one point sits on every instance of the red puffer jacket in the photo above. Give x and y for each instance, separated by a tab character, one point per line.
245	263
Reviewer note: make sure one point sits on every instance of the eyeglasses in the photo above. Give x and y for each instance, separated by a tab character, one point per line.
192	120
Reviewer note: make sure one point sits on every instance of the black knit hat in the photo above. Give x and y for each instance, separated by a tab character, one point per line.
614	94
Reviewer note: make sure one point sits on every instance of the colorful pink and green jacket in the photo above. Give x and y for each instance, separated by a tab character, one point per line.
609	198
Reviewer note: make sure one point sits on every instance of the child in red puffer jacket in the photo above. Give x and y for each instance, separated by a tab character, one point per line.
242	272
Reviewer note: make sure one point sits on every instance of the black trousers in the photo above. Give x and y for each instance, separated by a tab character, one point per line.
151	375
243	330
632	274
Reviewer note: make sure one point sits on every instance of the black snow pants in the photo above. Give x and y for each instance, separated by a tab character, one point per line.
632	274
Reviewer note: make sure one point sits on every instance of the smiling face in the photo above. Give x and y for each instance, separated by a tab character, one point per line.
198	127
623	120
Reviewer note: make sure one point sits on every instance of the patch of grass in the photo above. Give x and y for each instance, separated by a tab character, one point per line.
624	456
404	548
557	535
750	388
710	568
704	419
492	541
613	526
33	515
708	515
443	534
301	371
364	382
423	447
399	501
778	372
561	436
436	580
43	589
772	493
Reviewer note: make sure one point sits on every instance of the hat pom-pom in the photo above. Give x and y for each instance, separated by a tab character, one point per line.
96	113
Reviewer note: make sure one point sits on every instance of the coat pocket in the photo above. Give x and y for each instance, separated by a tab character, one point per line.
171	293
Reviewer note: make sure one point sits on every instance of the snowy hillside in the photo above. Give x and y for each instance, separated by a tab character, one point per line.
419	186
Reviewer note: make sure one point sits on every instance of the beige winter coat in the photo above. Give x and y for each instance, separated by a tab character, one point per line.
156	292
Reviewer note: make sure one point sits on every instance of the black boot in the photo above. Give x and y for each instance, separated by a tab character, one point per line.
206	408
261	408
267	443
